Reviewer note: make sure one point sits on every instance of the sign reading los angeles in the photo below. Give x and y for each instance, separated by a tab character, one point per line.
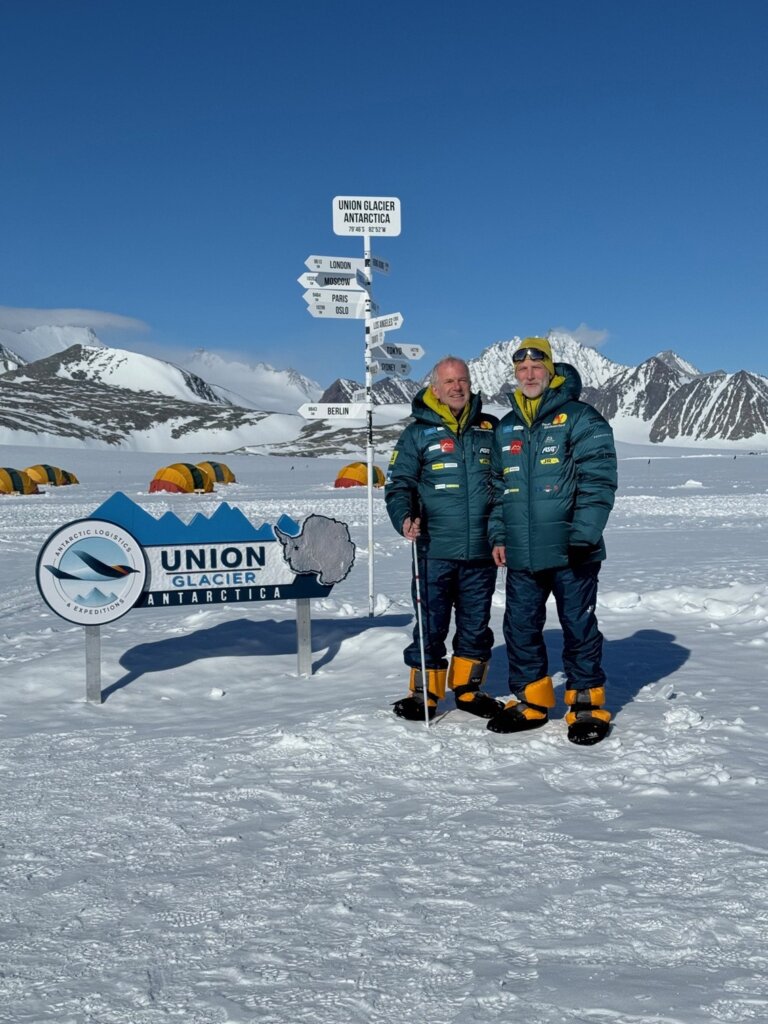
93	571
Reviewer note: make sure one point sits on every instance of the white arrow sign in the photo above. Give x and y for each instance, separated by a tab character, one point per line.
397	351
331	411
328	302
366	215
332	281
334	264
382	266
399	368
390	322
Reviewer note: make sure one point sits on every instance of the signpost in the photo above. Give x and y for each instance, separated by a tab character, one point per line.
340	287
334	264
401	368
325	280
366	215
333	411
397	351
390	322
337	303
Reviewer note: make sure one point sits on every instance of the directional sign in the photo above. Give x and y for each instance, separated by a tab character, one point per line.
331	411
382	266
394	368
334	264
392	351
366	215
390	322
333	280
335	303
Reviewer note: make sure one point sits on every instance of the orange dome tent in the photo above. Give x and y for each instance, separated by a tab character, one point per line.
356	475
17	481
53	475
181	478
218	472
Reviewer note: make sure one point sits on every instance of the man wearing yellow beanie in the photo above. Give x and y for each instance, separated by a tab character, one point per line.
554	475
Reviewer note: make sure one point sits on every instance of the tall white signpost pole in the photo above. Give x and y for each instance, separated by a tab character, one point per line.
368	216
340	287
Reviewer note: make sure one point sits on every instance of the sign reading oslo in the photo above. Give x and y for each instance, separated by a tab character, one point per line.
366	215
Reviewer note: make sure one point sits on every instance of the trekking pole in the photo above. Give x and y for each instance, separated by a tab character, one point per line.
421	634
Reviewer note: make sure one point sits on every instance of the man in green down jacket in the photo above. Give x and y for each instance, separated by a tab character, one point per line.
438	495
554	470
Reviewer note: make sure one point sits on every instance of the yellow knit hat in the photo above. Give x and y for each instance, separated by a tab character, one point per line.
543	346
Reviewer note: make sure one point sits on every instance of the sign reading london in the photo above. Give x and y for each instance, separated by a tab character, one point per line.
366	215
95	570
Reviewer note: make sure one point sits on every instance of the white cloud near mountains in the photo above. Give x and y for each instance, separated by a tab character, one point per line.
585	335
16	318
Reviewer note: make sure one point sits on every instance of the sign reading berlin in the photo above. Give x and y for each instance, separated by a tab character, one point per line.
366	215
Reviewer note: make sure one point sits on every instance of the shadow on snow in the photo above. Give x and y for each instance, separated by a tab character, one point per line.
244	638
631	663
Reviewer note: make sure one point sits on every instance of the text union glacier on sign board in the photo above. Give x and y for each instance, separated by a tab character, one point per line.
370	215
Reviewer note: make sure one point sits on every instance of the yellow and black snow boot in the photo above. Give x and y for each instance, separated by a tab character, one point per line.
529	712
465	677
412	706
587	720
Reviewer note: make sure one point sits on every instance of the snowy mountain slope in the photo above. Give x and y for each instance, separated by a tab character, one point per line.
492	372
661	400
119	368
637	392
676	362
87	413
715	406
45	340
385	391
254	385
9	360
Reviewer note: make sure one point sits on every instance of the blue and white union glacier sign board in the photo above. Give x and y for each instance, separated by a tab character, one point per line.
95	570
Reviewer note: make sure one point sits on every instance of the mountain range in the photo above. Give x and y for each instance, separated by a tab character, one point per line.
80	393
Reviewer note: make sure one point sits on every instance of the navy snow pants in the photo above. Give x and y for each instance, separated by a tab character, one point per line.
575	591
464	588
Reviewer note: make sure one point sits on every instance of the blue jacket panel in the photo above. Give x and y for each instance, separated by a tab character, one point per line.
444	477
554	481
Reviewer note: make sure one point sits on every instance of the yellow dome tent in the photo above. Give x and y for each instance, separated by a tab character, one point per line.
53	475
356	475
218	472
17	481
181	478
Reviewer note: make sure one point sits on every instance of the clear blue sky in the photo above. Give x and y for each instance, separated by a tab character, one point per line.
562	163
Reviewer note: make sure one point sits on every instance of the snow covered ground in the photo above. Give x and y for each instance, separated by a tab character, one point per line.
221	841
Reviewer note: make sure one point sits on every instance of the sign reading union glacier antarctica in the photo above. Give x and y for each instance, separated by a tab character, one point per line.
95	570
366	215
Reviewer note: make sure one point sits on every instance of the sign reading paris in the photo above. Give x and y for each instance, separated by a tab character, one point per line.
366	215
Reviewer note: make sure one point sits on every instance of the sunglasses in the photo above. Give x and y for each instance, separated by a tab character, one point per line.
529	353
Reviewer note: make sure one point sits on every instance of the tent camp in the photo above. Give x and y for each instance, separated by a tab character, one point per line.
53	475
181	478
356	475
17	481
218	472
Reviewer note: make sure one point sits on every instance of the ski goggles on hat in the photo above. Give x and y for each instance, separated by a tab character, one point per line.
529	353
